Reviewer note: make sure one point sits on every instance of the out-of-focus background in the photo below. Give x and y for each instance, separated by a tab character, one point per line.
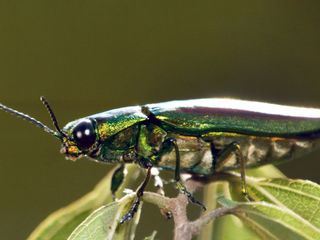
90	56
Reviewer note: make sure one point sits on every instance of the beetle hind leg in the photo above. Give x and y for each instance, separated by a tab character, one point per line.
182	188
225	155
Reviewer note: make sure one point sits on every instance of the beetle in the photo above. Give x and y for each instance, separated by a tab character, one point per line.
201	137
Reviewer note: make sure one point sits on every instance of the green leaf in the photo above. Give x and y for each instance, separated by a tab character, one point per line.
104	222
300	196
226	227
273	222
298	200
61	223
229	226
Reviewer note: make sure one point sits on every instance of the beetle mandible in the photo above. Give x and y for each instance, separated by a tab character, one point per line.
200	137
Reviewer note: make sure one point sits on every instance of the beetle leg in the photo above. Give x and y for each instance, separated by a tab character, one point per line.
117	179
171	142
134	208
214	153
224	156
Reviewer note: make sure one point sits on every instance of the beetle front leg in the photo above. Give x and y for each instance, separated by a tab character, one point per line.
172	143
136	203
117	179
224	156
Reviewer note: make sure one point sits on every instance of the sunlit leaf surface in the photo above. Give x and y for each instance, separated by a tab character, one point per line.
226	227
103	224
281	208
272	221
229	226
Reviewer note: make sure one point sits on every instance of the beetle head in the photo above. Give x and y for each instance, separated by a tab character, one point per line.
79	138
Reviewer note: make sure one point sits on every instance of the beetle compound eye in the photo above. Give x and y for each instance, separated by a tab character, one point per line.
84	134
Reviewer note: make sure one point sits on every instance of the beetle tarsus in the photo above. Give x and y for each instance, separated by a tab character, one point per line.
189	195
245	194
134	208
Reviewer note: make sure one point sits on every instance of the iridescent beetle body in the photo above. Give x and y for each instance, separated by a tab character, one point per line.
201	137
265	137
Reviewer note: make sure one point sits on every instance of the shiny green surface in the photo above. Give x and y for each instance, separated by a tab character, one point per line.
205	115
89	56
197	124
113	121
188	117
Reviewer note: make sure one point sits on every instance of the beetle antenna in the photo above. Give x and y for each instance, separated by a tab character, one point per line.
52	116
30	119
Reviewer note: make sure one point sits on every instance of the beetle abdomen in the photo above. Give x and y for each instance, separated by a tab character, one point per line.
258	151
196	156
200	116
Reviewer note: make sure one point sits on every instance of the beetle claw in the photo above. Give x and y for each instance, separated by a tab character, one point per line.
126	217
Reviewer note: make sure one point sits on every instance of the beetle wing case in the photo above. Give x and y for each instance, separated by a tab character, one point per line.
200	116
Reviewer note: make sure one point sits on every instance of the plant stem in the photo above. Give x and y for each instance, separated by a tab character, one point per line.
183	228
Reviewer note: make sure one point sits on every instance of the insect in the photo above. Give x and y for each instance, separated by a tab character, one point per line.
201	137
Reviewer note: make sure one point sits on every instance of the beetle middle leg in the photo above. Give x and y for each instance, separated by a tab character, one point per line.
171	143
225	155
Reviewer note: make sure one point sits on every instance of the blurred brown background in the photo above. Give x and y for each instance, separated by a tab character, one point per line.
89	56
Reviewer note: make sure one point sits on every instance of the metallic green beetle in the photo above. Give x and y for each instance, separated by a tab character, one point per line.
201	137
